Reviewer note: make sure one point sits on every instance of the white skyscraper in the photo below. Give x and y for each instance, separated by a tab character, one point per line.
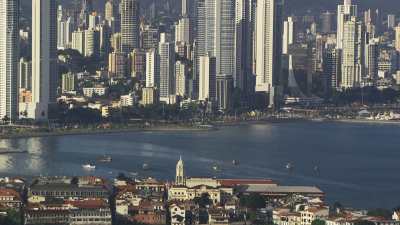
167	67
207	79
129	25
152	69
9	54
268	46
344	13
44	57
182	30
288	34
353	53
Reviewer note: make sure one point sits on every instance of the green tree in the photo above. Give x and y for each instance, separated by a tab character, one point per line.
203	201
253	201
12	218
318	222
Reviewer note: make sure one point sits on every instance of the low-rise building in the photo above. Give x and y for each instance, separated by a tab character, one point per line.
91	91
216	194
10	199
149	212
309	214
396	216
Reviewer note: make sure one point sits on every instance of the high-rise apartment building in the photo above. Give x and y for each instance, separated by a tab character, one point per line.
152	69
129	25
44	58
181	70
167	71
9	55
353	53
244	35
216	37
207	79
344	13
268	47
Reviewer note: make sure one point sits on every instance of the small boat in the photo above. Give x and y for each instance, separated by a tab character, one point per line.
289	166
88	167
235	162
105	159
145	166
216	168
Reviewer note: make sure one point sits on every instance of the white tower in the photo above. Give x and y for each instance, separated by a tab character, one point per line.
44	57
180	174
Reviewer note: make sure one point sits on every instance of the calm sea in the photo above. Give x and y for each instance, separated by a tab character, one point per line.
358	164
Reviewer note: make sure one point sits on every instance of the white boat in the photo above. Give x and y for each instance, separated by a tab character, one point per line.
145	166
289	166
88	167
216	168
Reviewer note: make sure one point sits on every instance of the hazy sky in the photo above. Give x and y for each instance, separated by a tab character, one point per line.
302	5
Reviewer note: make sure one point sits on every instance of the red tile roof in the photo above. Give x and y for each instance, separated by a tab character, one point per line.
9	192
88	204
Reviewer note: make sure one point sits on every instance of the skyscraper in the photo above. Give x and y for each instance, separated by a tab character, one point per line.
182	30
391	21
244	30
180	78
44	57
371	59
167	71
288	34
327	22
152	69
344	13
184	6
353	54
216	37
331	69
129	25
207	79
112	17
9	54
268	47
397	38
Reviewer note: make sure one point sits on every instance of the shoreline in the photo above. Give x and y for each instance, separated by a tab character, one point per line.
216	125
72	132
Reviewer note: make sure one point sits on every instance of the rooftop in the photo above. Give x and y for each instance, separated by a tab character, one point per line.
284	189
